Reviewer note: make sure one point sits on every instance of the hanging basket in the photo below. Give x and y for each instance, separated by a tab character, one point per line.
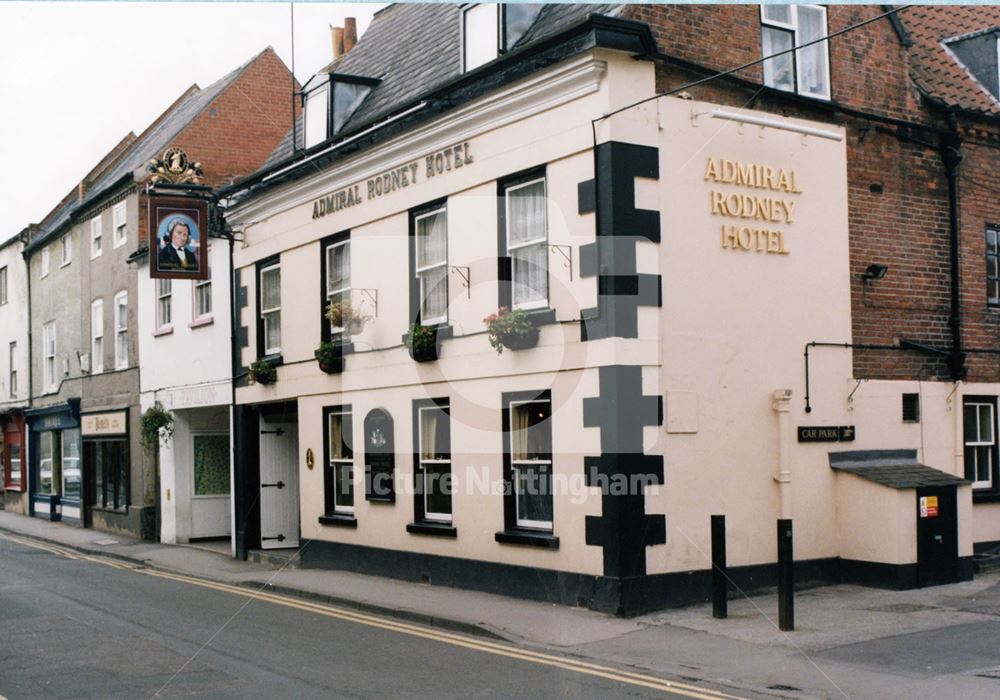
520	341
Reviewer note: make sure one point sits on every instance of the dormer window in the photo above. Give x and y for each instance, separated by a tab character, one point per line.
329	100
491	29
978	54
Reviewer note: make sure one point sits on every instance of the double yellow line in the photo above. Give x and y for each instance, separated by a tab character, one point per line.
456	640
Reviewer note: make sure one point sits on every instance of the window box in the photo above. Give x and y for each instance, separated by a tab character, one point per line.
422	343
262	372
520	341
330	357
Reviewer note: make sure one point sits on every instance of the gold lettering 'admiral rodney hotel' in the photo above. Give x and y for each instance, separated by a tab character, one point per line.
758	212
437	163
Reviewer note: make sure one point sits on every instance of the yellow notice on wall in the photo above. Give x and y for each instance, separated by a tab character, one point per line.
928	506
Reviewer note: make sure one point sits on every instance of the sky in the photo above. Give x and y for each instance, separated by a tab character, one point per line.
76	77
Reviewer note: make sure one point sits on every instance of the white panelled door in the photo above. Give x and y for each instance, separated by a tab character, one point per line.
279	485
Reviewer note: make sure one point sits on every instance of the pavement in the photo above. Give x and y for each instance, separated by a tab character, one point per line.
849	642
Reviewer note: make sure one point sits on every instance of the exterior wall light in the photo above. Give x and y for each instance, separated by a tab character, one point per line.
875	271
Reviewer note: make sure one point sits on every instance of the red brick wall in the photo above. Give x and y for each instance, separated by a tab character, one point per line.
233	136
905	225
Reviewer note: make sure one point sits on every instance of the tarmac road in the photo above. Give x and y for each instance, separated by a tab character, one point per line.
79	626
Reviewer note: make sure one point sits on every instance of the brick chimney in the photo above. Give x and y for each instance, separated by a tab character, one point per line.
337	37
350	33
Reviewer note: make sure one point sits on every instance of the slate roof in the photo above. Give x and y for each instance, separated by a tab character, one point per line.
415	48
897	469
149	144
934	68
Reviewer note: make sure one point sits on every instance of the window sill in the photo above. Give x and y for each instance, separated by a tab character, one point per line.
338	519
166	330
65	264
200	322
986	497
531	538
13	487
427	527
542	317
273	360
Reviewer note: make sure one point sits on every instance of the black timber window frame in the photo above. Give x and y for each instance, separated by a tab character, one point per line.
505	292
259	267
976	447
423	523
443	327
327	335
515	532
334	514
993	266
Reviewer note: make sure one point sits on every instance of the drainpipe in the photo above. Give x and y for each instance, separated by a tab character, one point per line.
782	404
951	157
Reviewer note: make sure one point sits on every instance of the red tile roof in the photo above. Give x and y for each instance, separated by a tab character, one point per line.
934	68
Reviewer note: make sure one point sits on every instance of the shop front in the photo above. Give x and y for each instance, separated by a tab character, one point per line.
106	469
12	462
55	483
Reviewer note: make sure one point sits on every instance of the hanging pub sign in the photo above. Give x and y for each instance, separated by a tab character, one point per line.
178	236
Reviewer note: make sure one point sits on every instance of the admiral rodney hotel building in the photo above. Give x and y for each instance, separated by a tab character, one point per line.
771	295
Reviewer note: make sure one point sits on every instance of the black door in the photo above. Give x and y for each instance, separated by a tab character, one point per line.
937	536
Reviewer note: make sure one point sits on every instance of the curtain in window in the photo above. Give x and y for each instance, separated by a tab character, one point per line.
428	434
526	209
270	292
336	437
529	274
812	60
519	420
432	240
779	72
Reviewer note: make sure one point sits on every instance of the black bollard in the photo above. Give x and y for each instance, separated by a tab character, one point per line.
720	576
786	577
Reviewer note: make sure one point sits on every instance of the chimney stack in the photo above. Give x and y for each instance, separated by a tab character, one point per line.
337	37
350	33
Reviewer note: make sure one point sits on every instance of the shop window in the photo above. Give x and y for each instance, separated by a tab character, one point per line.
97	336
981	444
211	465
337	283
202	299
338	473
524	269
430	231
3	285
71	482
164	303
121	330
45	262
433	473
269	299
527	429
993	265
66	244
491	29
49	356
14	466
807	70
12	369
49	472
110	460
96	235
121	230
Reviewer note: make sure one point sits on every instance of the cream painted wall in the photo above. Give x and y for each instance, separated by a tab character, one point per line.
875	523
733	328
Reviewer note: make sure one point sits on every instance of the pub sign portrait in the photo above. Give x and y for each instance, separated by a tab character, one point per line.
178	233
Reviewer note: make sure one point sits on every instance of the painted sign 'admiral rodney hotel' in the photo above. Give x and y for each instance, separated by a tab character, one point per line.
437	163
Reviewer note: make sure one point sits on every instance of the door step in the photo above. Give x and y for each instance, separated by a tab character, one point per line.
275	558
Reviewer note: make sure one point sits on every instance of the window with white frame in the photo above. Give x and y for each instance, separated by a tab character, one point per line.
66	244
490	29
12	369
96	234
14	455
527	243
338	477
3	285
270	308
121	229
316	110
164	302
49	476
49	355
202	299
45	262
71	482
530	449
806	70
431	229
338	277
97	336
434	463
121	330
980	442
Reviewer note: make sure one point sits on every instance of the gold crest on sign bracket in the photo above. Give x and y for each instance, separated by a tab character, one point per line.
173	167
